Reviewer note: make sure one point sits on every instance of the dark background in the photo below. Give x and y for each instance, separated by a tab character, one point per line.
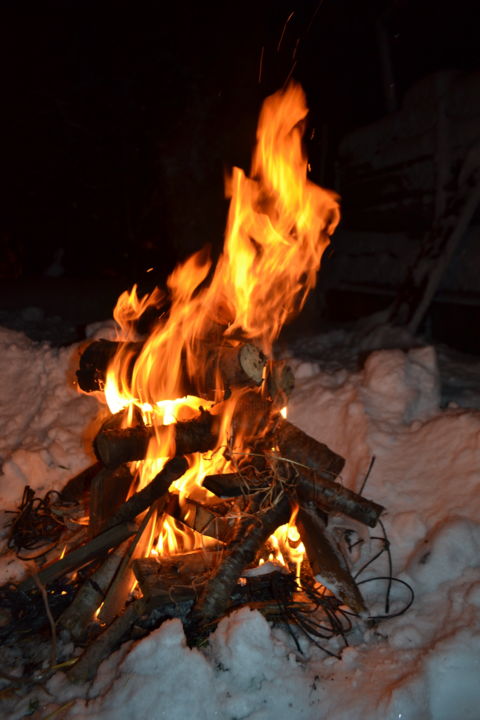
118	119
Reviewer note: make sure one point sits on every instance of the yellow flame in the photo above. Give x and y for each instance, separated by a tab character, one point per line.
278	227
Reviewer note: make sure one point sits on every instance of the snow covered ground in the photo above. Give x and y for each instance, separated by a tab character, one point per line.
421	665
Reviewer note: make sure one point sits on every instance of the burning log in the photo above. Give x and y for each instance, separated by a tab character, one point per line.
256	530
229	485
112	537
115	447
157	488
327	563
238	365
250	416
96	358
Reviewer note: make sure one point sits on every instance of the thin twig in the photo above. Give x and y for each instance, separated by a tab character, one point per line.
43	593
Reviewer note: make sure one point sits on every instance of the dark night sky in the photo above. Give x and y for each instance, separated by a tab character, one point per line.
118	119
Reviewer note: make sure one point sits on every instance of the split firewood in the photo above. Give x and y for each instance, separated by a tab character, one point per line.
216	593
156	489
87	665
124	580
327	563
80	612
217	519
227	366
108	491
82	555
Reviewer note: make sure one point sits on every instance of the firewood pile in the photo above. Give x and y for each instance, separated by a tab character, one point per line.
281	474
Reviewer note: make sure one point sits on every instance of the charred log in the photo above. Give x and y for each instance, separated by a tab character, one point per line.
156	489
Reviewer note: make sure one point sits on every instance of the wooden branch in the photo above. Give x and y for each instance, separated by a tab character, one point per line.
296	445
424	276
330	496
327	563
229	485
217	591
82	555
157	488
86	667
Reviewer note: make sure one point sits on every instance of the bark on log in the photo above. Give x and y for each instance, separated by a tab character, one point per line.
82	555
327	563
115	447
217	591
86	667
330	496
227	365
296	445
80	612
250	418
229	485
158	487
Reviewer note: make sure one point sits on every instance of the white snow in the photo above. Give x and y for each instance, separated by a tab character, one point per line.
422	665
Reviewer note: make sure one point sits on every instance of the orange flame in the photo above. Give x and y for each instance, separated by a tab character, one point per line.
278	227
